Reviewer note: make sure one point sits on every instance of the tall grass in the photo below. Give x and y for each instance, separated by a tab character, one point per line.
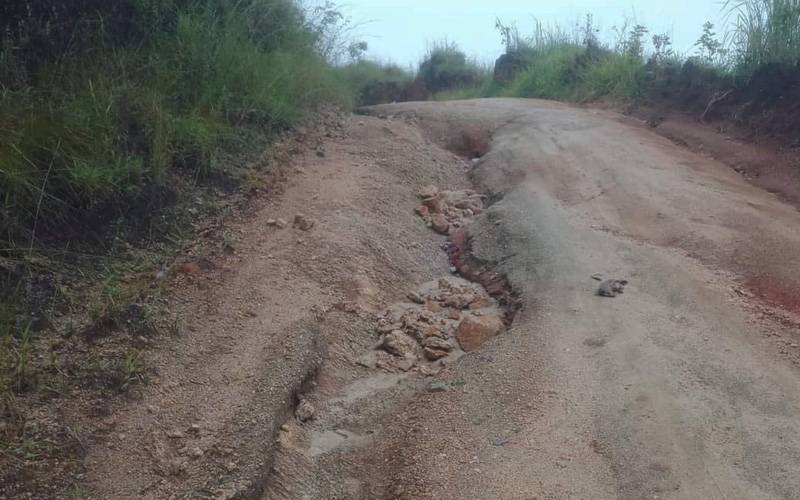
575	64
92	129
765	32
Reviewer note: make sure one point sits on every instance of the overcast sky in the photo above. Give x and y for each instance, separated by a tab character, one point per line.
400	30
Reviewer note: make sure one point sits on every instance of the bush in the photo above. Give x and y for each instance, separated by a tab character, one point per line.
375	83
550	74
446	67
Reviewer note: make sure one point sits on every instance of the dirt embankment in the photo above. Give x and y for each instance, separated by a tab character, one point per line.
753	126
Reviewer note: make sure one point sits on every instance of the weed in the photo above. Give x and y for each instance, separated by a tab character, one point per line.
95	125
130	370
557	63
116	373
16	374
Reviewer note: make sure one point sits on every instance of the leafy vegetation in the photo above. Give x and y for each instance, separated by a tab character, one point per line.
765	32
98	114
574	64
446	67
119	121
374	82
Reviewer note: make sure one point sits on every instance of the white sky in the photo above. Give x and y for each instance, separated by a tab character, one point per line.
399	31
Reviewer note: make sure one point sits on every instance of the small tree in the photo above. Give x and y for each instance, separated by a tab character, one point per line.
589	33
663	47
634	44
709	48
356	50
512	40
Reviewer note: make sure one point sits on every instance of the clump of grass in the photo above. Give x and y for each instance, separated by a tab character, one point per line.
16	373
118	373
764	32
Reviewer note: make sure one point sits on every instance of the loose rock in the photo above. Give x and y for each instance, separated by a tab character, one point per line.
407	363
438	344
474	331
438	387
399	344
305	411
177	467
434	354
440	224
428	191
191	268
303	222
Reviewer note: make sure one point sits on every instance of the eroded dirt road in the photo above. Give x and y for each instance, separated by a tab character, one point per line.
686	386
676	389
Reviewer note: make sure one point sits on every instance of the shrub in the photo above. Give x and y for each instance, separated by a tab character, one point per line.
375	83
446	67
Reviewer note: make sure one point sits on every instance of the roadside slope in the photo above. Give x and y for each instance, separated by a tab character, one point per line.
259	323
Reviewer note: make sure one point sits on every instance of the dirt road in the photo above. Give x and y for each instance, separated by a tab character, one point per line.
671	390
686	386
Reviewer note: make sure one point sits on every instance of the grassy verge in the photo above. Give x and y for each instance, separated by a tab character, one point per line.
122	126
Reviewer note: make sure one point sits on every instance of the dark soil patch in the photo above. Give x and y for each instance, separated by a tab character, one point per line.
473	269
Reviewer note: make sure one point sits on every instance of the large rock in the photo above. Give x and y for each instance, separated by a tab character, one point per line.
435	204
474	331
437	343
440	224
428	191
400	344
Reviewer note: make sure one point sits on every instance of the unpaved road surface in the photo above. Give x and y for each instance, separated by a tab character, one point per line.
671	390
686	386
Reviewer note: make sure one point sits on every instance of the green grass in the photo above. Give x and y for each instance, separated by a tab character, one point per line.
550	74
87	136
446	67
109	120
488	89
764	32
575	65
